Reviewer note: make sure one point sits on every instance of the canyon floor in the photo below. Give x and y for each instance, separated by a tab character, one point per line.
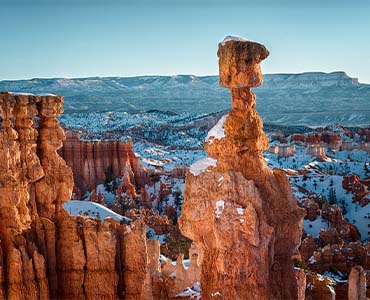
326	166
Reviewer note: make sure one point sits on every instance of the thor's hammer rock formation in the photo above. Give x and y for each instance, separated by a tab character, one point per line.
240	212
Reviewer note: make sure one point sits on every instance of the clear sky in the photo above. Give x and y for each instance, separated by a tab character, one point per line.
83	38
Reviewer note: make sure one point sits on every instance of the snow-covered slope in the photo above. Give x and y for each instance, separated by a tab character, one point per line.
92	209
313	98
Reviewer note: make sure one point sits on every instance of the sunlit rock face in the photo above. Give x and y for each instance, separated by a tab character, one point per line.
242	213
44	252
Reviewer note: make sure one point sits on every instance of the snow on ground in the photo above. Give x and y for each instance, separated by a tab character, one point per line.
151	235
296	162
313	228
325	185
354	155
153	155
192	293
92	209
342	168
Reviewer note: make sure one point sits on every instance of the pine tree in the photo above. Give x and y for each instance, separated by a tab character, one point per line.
343	206
332	196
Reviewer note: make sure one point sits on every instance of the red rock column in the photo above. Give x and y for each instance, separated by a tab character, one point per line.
10	165
134	261
24	113
246	217
357	284
23	268
56	188
19	163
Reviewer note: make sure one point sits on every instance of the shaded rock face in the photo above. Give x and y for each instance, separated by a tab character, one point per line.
336	249
357	187
319	287
94	162
44	252
357	284
246	218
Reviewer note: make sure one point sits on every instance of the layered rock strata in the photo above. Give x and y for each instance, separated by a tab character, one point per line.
246	220
44	252
95	162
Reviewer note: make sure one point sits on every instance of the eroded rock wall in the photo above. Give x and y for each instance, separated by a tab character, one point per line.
95	162
45	253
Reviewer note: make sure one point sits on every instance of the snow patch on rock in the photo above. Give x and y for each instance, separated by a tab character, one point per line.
202	165
230	38
220	205
240	210
217	132
93	210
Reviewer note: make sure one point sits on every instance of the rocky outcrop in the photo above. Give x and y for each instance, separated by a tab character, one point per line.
319	287
95	162
312	208
282	150
316	143
160	224
350	145
246	219
45	253
364	133
330	140
181	277
357	284
316	150
334	215
338	258
358	188
337	248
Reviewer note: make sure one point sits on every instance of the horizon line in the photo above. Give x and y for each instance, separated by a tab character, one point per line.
173	75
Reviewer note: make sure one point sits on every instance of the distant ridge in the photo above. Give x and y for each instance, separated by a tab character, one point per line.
311	98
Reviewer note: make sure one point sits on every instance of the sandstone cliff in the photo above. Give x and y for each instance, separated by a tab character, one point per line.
95	162
46	253
246	220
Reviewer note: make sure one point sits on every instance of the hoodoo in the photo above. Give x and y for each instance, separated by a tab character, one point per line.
240	212
44	252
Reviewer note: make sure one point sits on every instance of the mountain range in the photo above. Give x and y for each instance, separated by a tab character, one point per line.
313	99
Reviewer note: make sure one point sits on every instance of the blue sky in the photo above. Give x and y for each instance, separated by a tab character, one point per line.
83	38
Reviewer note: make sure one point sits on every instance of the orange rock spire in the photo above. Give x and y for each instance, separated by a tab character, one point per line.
242	214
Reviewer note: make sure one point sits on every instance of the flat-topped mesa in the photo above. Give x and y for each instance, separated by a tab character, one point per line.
247	220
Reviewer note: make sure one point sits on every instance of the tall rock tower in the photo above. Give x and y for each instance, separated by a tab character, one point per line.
242	213
45	253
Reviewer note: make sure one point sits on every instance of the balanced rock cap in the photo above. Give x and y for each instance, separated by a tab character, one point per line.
239	61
